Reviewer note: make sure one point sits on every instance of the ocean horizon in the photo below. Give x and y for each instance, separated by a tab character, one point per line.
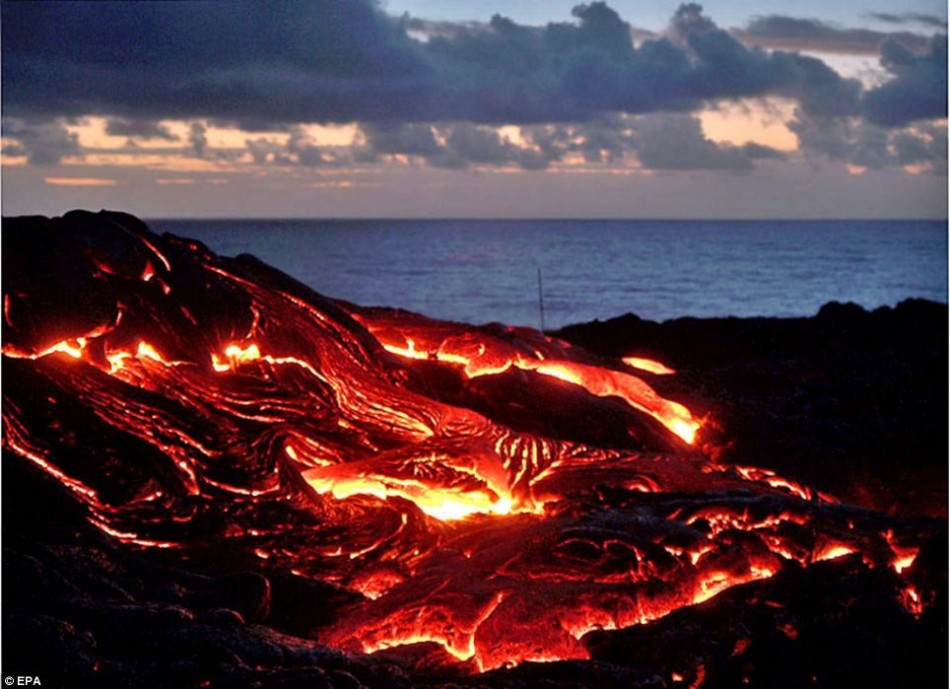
487	270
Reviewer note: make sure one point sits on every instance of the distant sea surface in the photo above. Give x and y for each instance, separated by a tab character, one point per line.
479	271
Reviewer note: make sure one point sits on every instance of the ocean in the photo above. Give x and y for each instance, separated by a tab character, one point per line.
479	271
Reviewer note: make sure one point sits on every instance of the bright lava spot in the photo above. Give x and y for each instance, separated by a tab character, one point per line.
648	365
234	356
685	430
833	552
147	351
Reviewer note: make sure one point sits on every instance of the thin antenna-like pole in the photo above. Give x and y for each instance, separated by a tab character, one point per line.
541	298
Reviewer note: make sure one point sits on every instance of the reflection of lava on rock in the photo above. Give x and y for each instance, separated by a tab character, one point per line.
476	496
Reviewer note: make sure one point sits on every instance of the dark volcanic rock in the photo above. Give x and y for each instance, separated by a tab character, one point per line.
800	628
851	401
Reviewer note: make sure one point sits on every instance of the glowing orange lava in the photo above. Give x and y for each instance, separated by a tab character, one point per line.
405	461
648	365
487	356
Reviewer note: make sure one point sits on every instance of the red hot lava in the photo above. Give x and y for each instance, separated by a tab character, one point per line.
487	489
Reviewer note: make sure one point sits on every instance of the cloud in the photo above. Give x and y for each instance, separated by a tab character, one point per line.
435	93
677	142
14	149
345	60
197	139
793	33
415	139
298	150
302	150
722	67
827	136
453	145
897	127
663	142
756	151
251	125
264	151
929	20
923	144
288	62
918	89
603	142
861	143
80	182
478	144
43	142
139	129
174	181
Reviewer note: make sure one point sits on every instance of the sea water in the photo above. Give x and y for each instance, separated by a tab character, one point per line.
479	271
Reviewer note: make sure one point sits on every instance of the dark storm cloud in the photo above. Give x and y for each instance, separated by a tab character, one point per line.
43	142
678	143
579	88
251	125
305	152
447	145
928	20
827	136
862	143
345	60
895	127
233	60
792	33
573	72
139	129
926	145
603	142
298	150
407	139
479	144
263	150
197	139
663	142
918	89
756	151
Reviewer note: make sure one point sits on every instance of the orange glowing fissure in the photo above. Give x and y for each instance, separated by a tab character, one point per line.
452	504
648	365
484	360
441	503
450	520
444	505
234	356
78	348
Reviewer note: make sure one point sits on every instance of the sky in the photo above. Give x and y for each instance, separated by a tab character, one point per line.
445	108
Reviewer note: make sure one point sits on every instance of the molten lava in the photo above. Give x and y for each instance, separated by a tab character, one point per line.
488	489
481	355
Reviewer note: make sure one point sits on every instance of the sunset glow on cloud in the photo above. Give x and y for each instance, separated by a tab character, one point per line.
336	101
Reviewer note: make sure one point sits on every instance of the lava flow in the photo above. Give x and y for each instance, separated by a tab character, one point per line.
489	491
